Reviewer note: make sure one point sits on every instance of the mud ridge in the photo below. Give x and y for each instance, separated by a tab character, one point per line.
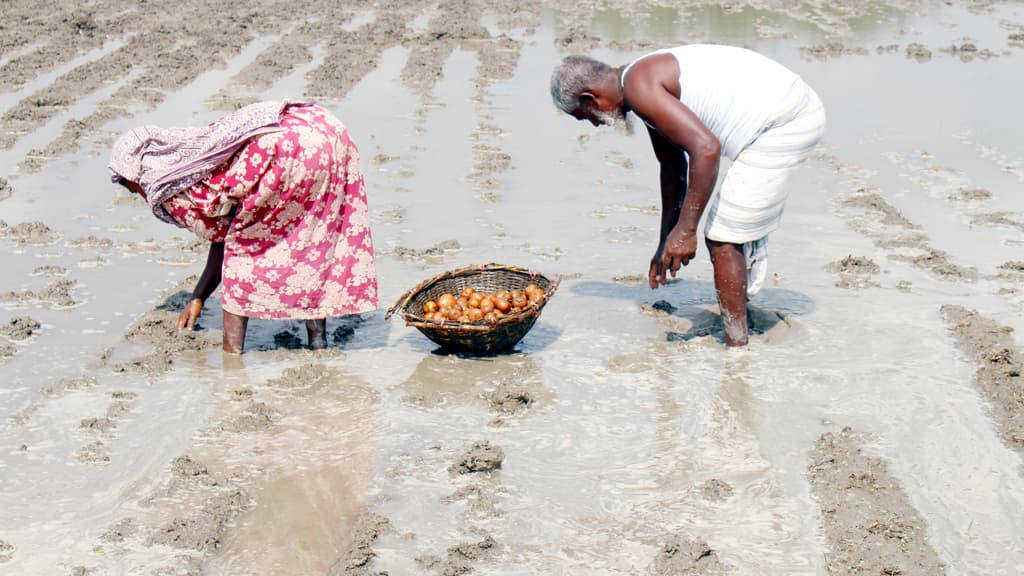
990	346
870	526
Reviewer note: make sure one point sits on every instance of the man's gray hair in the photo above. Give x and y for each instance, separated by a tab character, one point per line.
574	76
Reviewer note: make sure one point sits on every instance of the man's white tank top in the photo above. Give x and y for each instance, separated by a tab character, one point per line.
735	92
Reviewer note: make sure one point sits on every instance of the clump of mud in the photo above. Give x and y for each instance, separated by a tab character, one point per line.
120	531
185	467
50	270
828	51
998	377
968	51
919	52
511	398
68	384
873	202
630	279
103	425
716	490
971	195
854	272
1012	266
203	529
358	559
870	526
5	189
480	457
92	242
938	263
30	234
159	328
56	295
682	555
258	416
93	453
998	219
480	501
305	376
431	253
19	328
6	551
7	351
460	558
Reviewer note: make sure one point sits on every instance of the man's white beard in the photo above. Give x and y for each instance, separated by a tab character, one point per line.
618	120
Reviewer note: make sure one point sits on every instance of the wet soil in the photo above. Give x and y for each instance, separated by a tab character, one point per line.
111	61
358	559
990	346
870	526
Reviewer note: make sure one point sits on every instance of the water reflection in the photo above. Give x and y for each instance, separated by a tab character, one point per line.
311	469
507	385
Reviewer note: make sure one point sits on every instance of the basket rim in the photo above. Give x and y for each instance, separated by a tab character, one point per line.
415	320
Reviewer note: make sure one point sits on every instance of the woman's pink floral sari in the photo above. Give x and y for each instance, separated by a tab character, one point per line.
291	210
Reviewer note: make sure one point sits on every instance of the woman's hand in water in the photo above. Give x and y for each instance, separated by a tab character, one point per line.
190	314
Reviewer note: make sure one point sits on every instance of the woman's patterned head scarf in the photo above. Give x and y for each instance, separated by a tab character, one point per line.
167	161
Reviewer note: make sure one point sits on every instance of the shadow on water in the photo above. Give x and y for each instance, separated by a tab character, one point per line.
353	332
696	302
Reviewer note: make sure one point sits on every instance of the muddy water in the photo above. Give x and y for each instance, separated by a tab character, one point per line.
636	425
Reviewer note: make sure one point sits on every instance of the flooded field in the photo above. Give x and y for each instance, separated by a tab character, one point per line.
875	424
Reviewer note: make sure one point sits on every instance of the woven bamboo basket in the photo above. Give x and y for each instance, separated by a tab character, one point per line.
476	338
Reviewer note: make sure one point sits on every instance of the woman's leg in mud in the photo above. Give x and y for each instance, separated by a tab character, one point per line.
316	330
234	332
731	286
